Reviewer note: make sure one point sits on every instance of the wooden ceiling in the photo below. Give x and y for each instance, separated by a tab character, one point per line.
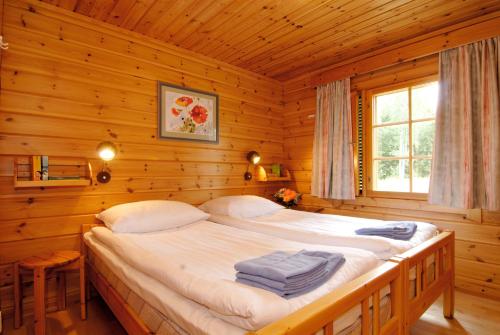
281	38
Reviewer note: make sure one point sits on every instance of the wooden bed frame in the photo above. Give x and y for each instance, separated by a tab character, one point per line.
321	314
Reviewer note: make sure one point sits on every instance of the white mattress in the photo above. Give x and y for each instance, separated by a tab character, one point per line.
195	263
190	316
327	229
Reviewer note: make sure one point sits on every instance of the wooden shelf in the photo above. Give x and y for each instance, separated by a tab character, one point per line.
61	166
51	183
262	175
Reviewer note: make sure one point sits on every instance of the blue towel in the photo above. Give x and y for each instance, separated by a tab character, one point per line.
298	284
281	266
402	230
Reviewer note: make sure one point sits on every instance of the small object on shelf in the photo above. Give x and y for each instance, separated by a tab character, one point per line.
45	167
276	170
36	167
264	175
65	178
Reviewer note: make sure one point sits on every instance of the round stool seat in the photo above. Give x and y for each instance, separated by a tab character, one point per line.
50	259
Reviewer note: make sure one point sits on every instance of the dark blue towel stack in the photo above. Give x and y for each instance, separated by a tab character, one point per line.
289	275
402	230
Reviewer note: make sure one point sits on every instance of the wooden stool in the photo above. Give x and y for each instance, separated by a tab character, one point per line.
41	265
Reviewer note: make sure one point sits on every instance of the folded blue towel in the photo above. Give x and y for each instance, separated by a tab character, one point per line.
281	266
402	230
292	292
294	285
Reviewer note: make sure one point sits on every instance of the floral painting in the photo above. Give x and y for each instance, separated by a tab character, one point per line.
187	114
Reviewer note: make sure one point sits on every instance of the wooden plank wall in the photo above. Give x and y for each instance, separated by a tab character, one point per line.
69	82
478	232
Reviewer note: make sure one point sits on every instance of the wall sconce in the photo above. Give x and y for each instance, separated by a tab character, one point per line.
253	157
106	151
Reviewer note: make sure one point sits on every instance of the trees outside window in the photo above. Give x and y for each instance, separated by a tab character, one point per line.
403	123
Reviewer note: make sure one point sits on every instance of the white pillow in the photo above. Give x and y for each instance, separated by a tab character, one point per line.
150	215
241	206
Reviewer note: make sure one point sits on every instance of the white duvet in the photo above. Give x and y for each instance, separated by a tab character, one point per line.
197	262
328	229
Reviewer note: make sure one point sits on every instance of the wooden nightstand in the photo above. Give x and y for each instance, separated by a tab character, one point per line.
58	262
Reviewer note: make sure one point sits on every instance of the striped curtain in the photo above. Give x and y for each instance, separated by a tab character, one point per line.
466	160
333	166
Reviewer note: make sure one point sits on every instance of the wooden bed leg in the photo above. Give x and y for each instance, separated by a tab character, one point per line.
61	291
403	294
83	285
18	297
449	292
449	302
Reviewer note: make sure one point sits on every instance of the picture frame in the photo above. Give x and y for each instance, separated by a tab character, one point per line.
187	114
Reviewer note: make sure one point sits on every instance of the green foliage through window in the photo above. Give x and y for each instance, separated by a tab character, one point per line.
403	138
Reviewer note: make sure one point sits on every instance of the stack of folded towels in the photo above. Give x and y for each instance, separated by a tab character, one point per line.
289	275
402	230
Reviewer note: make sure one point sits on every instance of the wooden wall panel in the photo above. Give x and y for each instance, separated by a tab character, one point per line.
477	232
69	82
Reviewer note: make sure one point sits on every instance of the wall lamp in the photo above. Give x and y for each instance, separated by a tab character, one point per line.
107	152
253	157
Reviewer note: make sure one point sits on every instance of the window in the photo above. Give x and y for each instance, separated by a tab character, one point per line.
403	123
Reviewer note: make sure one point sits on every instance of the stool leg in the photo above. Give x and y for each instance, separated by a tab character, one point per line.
61	290
39	287
18	297
83	300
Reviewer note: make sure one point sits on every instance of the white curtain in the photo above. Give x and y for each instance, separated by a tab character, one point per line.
333	166
466	160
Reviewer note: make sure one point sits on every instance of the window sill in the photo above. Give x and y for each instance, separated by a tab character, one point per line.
396	195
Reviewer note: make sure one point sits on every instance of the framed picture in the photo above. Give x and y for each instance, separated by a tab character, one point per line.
187	114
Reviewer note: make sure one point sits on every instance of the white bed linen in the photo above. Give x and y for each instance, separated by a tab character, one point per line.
328	229
194	318
197	262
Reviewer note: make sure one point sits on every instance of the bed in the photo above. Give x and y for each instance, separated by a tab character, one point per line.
132	282
430	254
183	281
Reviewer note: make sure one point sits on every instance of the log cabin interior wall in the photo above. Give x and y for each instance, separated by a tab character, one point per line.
69	82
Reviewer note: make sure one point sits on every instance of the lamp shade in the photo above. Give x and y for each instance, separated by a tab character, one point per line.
253	157
106	151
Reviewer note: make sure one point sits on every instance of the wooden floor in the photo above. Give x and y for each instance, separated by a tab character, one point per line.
474	315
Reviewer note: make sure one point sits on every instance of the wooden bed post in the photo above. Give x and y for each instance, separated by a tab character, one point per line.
449	292
405	287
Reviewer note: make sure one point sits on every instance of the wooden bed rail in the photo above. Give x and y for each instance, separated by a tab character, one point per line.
321	313
437	254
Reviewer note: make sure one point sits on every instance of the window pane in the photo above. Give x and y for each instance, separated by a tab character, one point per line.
391	141
423	138
421	175
391	107
424	101
391	175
